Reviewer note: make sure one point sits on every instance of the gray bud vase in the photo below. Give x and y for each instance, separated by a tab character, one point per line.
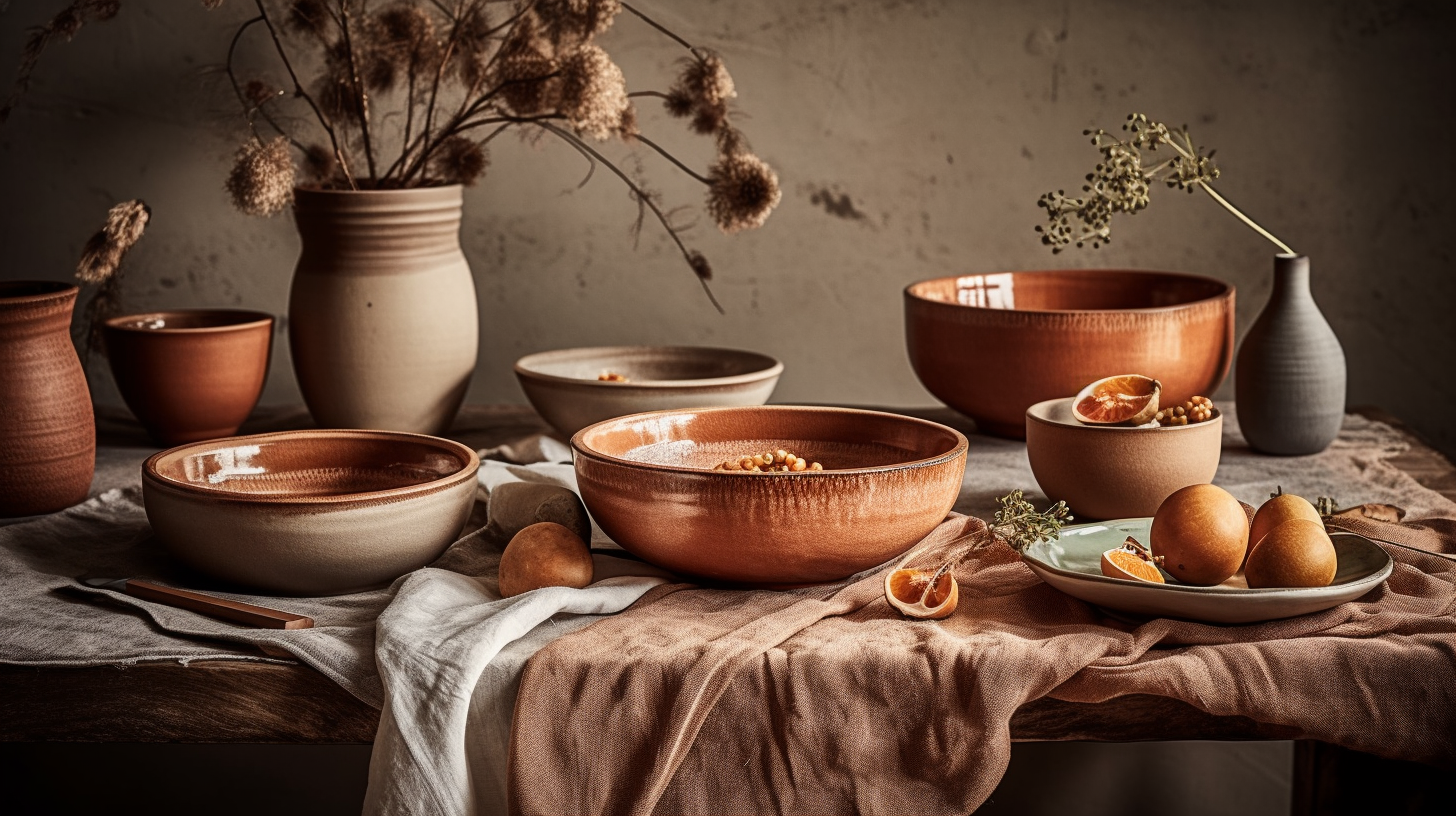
1290	381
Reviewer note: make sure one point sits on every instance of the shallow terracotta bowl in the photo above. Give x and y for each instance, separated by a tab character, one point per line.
564	386
1106	472
310	512
990	346
190	374
649	482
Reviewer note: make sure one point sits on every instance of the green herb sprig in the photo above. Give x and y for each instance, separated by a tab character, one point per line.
1121	183
1020	525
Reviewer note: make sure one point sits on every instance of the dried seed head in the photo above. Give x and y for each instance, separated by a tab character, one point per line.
742	191
402	39
261	182
593	93
104	251
571	22
529	83
703	90
459	160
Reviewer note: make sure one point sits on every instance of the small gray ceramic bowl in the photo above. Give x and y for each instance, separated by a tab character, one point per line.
567	388
310	512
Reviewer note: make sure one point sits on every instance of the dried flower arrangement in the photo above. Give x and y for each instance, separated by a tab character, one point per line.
100	265
1121	184
410	93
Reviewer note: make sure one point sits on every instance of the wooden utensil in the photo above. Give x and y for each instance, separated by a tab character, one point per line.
236	611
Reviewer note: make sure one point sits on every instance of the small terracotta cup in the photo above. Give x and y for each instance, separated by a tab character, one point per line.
190	374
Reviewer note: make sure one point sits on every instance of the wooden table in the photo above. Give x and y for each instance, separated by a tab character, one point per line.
235	702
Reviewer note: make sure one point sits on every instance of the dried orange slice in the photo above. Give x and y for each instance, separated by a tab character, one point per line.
918	593
1131	562
1127	399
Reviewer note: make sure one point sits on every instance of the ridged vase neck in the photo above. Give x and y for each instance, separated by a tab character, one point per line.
1291	279
35	307
378	226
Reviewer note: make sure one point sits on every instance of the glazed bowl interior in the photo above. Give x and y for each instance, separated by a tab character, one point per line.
701	440
649	481
319	466
990	346
189	320
1071	290
652	366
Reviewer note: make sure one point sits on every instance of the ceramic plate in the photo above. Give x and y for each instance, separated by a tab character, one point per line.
1072	564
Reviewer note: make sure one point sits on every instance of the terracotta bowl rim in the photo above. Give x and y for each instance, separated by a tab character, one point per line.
120	322
1034	415
962	446
1226	291
61	291
469	465
774	368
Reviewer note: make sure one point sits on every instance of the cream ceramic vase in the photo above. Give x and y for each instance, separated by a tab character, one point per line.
382	319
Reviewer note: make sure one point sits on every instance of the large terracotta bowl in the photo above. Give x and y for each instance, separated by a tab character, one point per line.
190	374
991	346
565	386
1105	472
649	482
310	512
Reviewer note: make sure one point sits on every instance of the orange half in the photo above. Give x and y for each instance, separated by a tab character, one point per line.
1127	564
1127	399
919	593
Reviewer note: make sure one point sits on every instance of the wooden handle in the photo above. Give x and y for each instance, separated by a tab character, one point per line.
246	614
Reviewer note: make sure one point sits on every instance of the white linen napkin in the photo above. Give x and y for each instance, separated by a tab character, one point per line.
450	652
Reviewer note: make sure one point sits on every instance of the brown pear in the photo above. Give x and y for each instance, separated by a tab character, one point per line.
1297	553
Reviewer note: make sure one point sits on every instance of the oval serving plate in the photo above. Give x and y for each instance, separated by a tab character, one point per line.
1072	564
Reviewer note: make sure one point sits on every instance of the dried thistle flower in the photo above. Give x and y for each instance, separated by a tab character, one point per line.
593	93
105	250
261	182
742	191
460	161
1120	183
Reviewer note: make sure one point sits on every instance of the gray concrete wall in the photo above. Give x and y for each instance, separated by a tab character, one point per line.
912	139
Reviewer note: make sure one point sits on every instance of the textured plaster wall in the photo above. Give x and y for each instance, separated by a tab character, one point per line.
912	140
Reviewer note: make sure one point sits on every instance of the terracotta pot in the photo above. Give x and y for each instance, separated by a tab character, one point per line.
1109	472
649	482
1290	381
310	512
991	346
190	374
382	318
47	430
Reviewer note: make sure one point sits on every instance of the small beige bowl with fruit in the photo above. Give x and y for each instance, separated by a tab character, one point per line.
1113	452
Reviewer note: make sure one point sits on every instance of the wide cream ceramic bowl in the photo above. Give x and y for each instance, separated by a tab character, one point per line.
649	482
1104	472
310	512
566	388
992	345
